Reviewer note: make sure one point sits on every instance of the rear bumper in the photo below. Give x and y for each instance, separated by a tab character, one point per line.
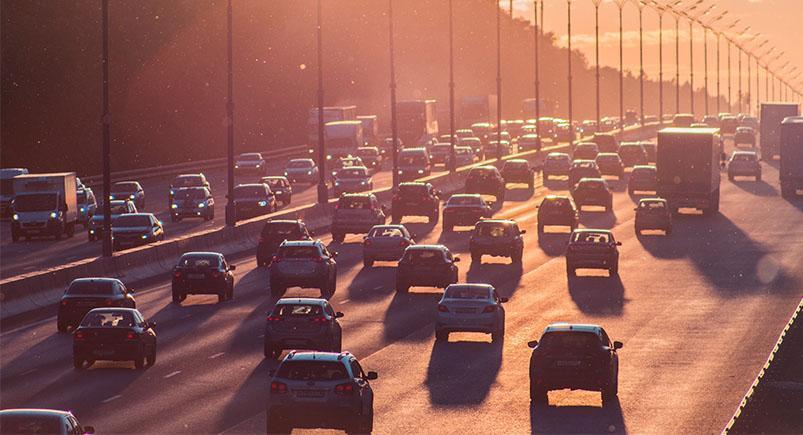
200	287
590	262
109	351
575	380
331	414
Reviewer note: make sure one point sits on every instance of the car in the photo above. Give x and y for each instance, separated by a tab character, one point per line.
632	154
352	180
426	265
192	202
464	155
463	133
118	207
302	323
588	127
529	142
744	163
556	165
585	151
343	163
653	214
440	154
413	163
130	190
186	180
114	334
305	264
574	356
464	209
564	132
385	243
644	178
711	120
356	213
281	188
749	121
253	199
386	148
415	199
41	421
592	249
583	169
558	210
682	120
84	294
274	232
728	124
700	125
87	206
475	144
593	191
610	164
202	273
518	171
606	142
651	148
371	157
250	163
745	136
470	308
301	171
320	389
136	229
495	148
486	180
498	238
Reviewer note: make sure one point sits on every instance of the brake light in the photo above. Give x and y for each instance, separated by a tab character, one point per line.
273	318
443	308
278	387
80	336
318	319
344	389
489	309
216	274
177	274
396	197
276	259
64	303
368	242
131	336
403	242
319	259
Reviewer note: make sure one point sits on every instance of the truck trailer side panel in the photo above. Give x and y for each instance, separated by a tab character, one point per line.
688	168
791	153
772	114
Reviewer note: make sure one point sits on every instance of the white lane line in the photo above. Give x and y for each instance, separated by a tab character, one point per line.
186	317
170	375
28	372
112	398
378	287
217	355
344	301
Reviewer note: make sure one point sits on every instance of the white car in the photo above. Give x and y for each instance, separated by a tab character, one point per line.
250	163
470	308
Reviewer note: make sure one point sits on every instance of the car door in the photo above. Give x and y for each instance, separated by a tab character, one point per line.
362	383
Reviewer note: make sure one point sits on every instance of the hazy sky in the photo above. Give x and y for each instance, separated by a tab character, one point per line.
777	20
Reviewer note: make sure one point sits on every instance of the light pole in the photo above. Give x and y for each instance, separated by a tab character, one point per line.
498	83
323	192
621	5
677	14
730	71
596	51
231	211
452	154
660	11
105	121
569	58
758	73
739	53
537	32
393	125
692	19
706	27
748	54
640	7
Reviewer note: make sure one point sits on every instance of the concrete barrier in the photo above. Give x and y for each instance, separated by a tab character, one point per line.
36	290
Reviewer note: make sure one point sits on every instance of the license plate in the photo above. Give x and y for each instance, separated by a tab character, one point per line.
567	363
465	310
33	231
103	352
196	276
310	393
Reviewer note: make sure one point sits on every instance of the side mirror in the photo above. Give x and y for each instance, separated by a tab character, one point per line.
618	243
413	235
371	376
206	184
503	300
151	324
456	260
129	291
617	345
89	429
522	232
232	267
335	254
532	343
338	315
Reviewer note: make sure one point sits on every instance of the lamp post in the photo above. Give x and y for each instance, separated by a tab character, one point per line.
105	121
452	154
706	28
498	82
621	5
748	54
640	7
677	15
537	35
660	11
393	124
692	19
569	58
730	71
231	211
596	51
739	53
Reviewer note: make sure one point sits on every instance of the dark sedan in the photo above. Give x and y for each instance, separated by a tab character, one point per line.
253	200
203	273
84	294
114	334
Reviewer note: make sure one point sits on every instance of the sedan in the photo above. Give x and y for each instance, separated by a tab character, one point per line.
114	334
352	180
253	200
41	421
464	209
203	273
130	190
136	229
385	243
84	294
281	188
470	308
250	163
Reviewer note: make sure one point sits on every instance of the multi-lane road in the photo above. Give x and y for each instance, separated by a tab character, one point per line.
698	312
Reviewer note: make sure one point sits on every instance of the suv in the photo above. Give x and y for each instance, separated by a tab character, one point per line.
518	171
653	214
498	238
486	180
592	249
441	153
606	142
303	263
464	209
632	154
87	205
610	164
644	178
356	213
556	165
744	163
320	389
192	202
583	169
352	180
280	186
84	294
745	135
136	229
274	233
431	265
593	191
557	210
301	170
529	142
574	356
413	163
415	199
203	273
253	200
343	163
302	323
30	420
585	151
186	180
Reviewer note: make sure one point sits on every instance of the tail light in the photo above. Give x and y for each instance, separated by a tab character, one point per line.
489	309
403	242
345	389
278	387
80	336
273	319
64	303
368	242
442	308
109	302
396	197
319	259
276	259
215	274
177	274
319	319
131	336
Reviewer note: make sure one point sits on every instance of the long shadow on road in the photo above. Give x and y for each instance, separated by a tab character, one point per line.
577	419
553	244
598	295
462	372
758	188
597	219
409	312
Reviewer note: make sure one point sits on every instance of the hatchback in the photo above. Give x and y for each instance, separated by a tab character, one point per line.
84	294
302	323
306	264
653	214
592	249
426	265
114	334
203	273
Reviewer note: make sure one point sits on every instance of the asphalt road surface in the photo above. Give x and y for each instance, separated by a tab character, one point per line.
698	313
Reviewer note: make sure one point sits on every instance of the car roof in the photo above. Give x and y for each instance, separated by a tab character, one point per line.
427	248
301	243
645	168
562	155
749	152
497	221
356	195
580	162
316	356
216	254
399	226
307	301
609	155
274	177
592	230
413	183
591	180
466	195
93	279
140	214
555	197
471	285
283	221
352	168
113	309
249	185
586	144
189	175
35	412
517	161
662	200
301	160
566	327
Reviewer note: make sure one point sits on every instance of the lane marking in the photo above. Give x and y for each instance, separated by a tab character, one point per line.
345	301
217	355
28	372
170	375
379	287
112	398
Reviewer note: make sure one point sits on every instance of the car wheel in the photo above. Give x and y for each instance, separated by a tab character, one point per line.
730	177
151	359
336	345
668	231
571	271
499	335
139	361
91	238
476	257
176	296
517	257
77	362
395	219
441	335
174	219
758	177
448	227
630	191
277	290
230	293
338	237
540	229
402	287
538	395
609	393
61	326
433	218
367	262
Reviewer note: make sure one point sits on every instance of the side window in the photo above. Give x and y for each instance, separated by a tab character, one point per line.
604	337
329	310
356	369
223	263
119	288
448	256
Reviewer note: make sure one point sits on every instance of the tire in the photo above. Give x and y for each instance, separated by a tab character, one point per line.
151	358
176	296
70	230
367	262
336	345
448	227
57	235
338	237
441	335
476	257
538	396
610	393
630	191
499	335
77	362
402	287
92	238
15	236
221	296
61	326
231	291
571	271
517	257
614	271
758	177
395	219
540	229
139	362
433	218
730	177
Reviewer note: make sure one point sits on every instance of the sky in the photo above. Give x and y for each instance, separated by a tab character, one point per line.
778	21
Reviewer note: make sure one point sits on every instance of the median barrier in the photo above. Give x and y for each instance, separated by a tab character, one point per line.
36	290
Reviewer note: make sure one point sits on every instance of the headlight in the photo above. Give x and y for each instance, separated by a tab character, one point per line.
91	231
132	196
285	173
263	203
258	165
236	166
202	205
308	173
420	171
172	192
112	196
362	183
328	157
174	206
337	183
53	215
145	236
16	217
83	209
400	172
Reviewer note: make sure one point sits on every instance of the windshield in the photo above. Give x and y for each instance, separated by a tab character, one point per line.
465	200
249	191
591	185
369	152
424	256
280	230
299	164
194	193
35	202
200	261
108	319
556	202
570	341
481	172
412	189
312	371
486	230
250	157
275	182
354	202
99	287
352	173
442	148
465	292
412	160
744	158
652	205
130	220
188	181
30	424
125	187
299	252
588	237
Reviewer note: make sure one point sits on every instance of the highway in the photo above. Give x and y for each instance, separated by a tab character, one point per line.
698	312
41	253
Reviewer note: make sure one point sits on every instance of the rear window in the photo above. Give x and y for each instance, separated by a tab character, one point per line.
442	148
556	202
190	193
412	159
280	229
128	220
299	252
570	341
496	230
586	237
652	205
414	189
592	185
312	371
424	256
275	182
108	319
608	158
562	158
100	287
250	156
297	310
464	200
354	202
643	173
386	232
188	181
27	424
744	158
199	261
516	165
298	164
460	292
117	209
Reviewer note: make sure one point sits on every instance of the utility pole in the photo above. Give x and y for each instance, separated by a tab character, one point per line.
106	133
323	191
231	210
640	7
452	154
393	124
596	50
537	33
621	5
571	119
498	83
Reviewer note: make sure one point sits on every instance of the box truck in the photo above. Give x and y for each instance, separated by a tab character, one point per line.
44	205
790	169
772	114
688	166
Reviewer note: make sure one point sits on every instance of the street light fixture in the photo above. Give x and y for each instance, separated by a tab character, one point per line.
739	53
730	70
673	7
499	82
452	154
537	32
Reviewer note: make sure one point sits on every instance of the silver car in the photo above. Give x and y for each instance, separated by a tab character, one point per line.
49	421
302	323
351	180
250	162
301	170
470	308
385	243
